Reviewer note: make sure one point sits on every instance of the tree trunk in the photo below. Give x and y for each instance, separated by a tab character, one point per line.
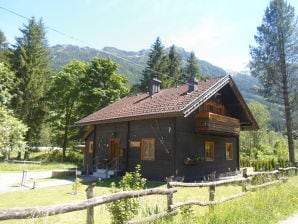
66	129
285	88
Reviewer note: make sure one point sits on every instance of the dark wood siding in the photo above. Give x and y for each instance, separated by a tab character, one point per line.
162	130
175	139
190	144
104	133
88	157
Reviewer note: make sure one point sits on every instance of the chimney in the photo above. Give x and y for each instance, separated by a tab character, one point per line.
192	84
154	86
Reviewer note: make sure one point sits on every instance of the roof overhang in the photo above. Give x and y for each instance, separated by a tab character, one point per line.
227	80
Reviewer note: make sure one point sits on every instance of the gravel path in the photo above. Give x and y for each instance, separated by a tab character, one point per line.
9	181
291	220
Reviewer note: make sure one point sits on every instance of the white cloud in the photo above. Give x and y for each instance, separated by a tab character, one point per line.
213	40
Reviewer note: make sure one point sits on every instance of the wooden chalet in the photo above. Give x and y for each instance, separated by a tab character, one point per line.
187	131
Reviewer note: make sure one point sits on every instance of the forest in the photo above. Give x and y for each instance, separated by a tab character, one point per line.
44	90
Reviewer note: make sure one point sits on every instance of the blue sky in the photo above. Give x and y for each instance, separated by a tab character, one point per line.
218	31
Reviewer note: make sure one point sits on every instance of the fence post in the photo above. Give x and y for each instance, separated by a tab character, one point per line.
212	191
90	210
244	183
169	196
24	177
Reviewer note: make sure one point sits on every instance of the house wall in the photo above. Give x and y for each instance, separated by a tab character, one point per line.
104	133
88	155
175	139
162	130
190	144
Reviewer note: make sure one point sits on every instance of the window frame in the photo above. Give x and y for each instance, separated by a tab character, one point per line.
229	151
211	148
148	142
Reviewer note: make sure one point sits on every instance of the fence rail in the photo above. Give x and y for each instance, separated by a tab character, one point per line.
34	212
279	176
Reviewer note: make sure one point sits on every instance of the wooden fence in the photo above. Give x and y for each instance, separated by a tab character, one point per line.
247	183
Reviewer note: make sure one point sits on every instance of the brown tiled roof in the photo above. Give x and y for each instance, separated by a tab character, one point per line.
166	103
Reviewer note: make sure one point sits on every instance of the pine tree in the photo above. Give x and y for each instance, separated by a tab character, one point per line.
192	69
274	60
30	62
156	65
174	67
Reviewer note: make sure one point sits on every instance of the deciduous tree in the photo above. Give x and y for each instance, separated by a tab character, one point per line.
64	100
12	133
6	84
101	86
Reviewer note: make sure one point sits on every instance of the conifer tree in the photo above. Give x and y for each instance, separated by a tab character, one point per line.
174	67
30	60
192	69
156	65
274	60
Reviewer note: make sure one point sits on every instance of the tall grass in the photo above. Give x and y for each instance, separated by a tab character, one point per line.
267	205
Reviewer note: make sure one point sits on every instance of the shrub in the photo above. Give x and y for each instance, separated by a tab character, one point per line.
125	209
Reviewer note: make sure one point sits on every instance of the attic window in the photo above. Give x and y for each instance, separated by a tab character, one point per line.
148	149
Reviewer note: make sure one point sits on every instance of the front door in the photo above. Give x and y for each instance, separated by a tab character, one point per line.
115	149
115	154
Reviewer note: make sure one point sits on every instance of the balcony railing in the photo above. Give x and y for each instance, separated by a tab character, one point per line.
210	123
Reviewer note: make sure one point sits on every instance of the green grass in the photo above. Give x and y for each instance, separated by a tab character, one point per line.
16	167
264	206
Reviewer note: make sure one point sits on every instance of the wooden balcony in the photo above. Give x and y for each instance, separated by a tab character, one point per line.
210	123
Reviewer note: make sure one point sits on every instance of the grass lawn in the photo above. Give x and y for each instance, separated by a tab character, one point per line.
264	206
17	167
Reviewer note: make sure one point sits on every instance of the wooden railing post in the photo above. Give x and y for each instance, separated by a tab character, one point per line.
90	210
212	190
169	196
24	178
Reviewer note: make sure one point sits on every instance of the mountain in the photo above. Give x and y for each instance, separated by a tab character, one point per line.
131	63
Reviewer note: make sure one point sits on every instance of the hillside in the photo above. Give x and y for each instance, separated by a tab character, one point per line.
132	63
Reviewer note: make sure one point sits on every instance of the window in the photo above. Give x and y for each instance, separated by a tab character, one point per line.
90	147
229	151
209	151
148	149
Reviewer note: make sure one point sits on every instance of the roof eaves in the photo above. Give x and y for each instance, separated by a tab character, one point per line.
254	125
193	105
131	118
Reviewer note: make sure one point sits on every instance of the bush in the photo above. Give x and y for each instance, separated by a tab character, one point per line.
125	209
